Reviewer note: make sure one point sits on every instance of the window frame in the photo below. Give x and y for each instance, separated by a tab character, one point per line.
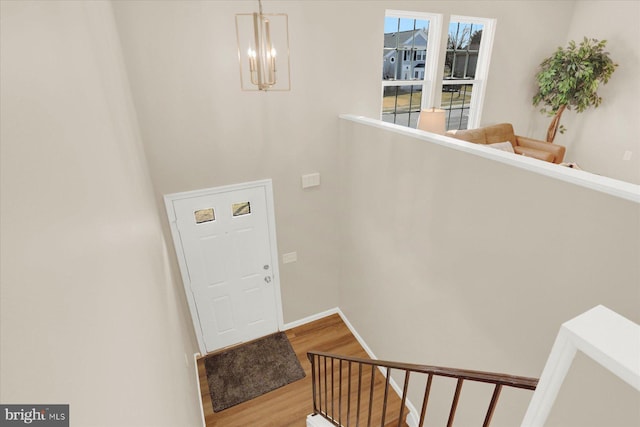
433	80
429	82
479	82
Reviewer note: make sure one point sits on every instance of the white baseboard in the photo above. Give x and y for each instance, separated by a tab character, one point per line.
412	419
195	364
317	421
311	318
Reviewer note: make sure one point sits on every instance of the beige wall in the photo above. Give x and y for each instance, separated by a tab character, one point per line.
101	290
201	131
89	315
598	138
455	260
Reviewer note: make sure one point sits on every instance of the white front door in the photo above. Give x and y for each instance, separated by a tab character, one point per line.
225	242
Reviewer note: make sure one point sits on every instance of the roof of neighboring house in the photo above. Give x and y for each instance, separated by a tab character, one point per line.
406	38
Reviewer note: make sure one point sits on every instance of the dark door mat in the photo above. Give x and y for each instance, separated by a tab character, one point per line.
251	370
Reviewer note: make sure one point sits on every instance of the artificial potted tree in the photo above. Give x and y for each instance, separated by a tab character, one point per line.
570	79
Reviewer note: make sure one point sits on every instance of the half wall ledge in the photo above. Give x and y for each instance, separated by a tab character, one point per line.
603	184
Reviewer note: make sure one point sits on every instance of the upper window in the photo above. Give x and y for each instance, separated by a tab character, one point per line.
410	70
466	63
408	64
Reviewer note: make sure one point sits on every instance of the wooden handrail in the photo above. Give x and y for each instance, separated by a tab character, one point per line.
466	374
325	407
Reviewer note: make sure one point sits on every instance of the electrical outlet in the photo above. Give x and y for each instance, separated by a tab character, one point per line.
627	155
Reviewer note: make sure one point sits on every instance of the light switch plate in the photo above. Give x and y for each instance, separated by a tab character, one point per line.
311	180
289	257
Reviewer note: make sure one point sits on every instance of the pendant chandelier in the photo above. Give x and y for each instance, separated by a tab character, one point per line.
263	50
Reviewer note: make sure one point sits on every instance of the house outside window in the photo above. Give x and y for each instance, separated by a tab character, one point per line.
410	71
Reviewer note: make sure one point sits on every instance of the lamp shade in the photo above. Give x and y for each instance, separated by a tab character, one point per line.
432	120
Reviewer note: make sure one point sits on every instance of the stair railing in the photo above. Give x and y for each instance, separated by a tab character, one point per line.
343	389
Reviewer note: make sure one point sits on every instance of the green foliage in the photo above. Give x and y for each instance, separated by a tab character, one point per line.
571	77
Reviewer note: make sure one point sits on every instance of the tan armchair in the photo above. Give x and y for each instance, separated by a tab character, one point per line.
503	132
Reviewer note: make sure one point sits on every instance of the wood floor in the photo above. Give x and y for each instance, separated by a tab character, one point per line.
288	406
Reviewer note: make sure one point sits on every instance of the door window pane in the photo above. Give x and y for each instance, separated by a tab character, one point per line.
204	215
243	208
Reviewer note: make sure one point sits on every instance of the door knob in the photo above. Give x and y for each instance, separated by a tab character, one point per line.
267	279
